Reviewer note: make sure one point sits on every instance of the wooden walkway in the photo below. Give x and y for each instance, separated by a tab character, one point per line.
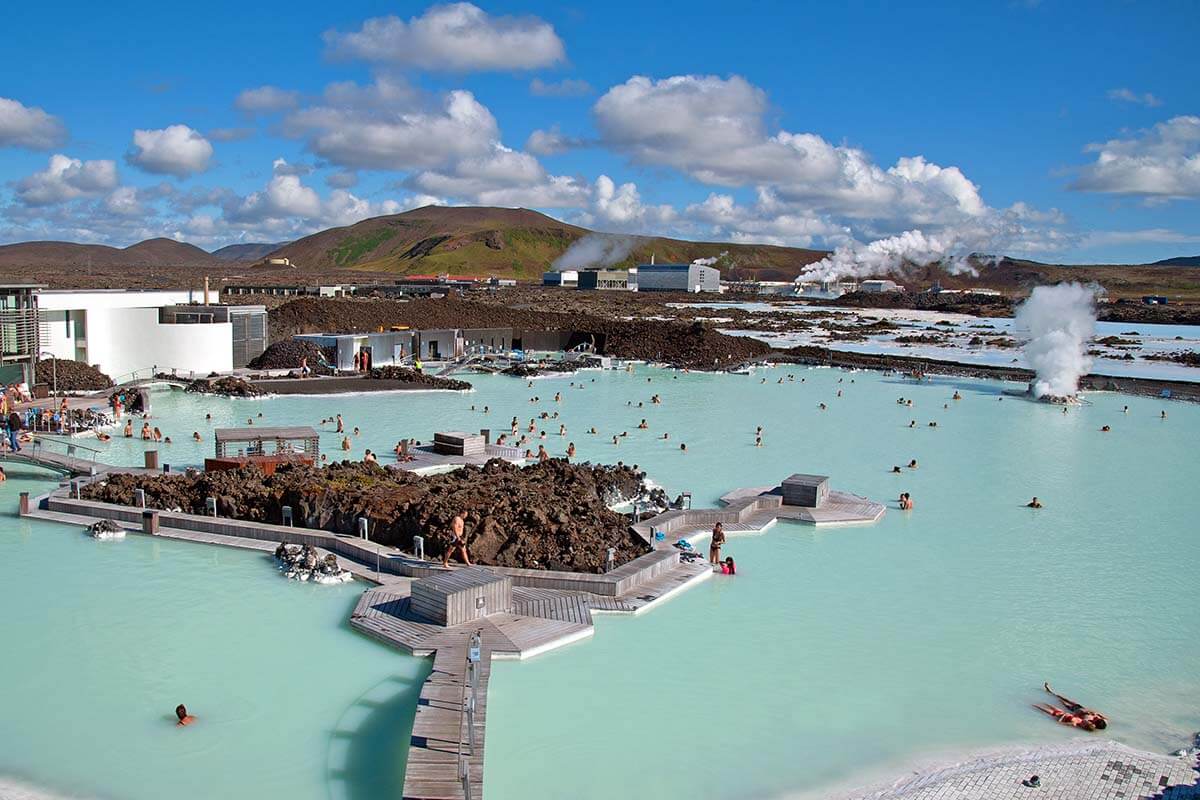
59	462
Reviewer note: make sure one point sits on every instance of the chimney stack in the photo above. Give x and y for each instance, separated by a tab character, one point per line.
205	290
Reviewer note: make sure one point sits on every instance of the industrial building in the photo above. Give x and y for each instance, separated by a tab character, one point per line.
567	278
879	286
609	279
678	278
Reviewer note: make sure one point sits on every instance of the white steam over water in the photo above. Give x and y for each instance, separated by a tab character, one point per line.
889	256
595	250
1059	321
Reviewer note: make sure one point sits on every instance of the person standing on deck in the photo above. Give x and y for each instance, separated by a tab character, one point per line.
14	431
714	546
458	542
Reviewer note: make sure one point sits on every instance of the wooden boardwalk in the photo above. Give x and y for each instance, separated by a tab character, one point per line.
59	462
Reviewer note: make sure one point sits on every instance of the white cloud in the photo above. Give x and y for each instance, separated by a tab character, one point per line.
1130	96
714	129
31	127
344	179
1160	163
175	150
286	206
67	178
503	177
387	125
567	87
456	37
123	201
621	208
266	100
552	142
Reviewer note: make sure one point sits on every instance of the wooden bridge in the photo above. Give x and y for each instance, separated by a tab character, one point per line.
61	456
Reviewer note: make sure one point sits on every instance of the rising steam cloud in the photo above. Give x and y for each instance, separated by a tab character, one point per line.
595	250
1059	320
708	262
890	256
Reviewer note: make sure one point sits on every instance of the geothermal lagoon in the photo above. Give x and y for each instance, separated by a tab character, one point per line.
836	656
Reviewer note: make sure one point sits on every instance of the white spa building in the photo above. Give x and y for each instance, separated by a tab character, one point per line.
123	332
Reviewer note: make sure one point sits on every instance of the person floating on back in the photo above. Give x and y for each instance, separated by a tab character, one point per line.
1064	717
1094	717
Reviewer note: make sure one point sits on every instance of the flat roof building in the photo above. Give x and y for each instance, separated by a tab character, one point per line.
126	332
610	279
879	286
678	278
565	277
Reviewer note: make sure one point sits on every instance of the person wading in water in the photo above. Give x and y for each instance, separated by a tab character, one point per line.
714	547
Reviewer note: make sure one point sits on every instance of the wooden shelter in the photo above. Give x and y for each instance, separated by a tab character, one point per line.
265	448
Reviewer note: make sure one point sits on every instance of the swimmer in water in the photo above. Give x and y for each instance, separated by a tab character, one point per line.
896	470
1065	718
571	450
1094	717
912	464
1034	503
682	448
1105	429
183	716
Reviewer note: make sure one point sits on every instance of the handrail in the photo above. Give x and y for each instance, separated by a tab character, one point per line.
134	376
70	446
467	711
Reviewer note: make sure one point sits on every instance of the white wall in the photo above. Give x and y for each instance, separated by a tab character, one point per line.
122	340
122	332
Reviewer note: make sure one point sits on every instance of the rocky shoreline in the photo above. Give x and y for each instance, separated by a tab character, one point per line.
552	515
821	356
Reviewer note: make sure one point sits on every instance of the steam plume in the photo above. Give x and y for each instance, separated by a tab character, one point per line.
1060	320
708	262
889	256
595	250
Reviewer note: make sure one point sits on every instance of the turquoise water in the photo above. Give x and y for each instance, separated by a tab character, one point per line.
103	639
832	652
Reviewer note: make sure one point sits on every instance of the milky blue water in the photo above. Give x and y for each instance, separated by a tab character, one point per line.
832	651
103	639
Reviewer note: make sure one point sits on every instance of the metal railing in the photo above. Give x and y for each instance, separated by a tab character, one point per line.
466	718
148	373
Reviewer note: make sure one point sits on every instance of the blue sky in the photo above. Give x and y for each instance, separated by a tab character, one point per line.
1051	130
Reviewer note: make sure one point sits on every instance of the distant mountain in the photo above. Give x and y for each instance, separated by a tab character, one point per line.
60	255
252	251
510	242
1179	261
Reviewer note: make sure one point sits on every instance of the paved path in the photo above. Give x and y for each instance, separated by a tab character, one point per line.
1103	771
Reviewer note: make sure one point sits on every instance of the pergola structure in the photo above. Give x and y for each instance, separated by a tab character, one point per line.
266	448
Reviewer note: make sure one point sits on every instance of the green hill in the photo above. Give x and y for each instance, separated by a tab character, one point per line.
507	242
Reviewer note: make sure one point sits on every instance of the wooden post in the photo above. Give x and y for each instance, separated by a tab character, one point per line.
486	433
151	459
150	522
404	447
24	504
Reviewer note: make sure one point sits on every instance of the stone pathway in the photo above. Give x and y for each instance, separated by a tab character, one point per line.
1104	771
